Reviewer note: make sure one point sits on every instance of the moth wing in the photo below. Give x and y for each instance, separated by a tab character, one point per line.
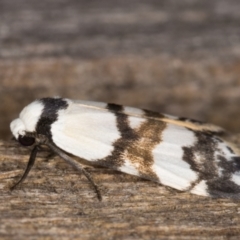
85	131
129	141
189	160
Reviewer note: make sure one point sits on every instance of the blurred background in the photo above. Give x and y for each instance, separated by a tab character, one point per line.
178	57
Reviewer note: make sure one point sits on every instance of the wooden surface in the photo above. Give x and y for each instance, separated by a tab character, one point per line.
55	202
178	57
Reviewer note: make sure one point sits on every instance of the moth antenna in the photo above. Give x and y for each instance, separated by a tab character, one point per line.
29	166
75	165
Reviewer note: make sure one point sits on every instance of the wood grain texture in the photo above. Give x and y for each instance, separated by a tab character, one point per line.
57	202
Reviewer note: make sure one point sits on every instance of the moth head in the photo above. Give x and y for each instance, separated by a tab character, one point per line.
25	125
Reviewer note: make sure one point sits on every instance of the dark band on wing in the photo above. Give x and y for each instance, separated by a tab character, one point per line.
113	107
134	145
49	114
209	162
152	114
127	135
200	157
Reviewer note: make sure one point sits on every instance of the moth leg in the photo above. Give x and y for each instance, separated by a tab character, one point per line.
29	166
75	165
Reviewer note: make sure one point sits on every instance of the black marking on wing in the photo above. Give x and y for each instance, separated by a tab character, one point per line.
49	114
216	172
236	161
113	107
200	156
223	186
230	149
184	119
152	114
127	135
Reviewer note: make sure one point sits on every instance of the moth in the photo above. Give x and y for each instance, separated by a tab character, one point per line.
180	153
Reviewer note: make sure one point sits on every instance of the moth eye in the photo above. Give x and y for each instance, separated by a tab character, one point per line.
26	141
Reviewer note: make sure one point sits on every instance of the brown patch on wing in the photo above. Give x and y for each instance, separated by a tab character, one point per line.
134	145
139	152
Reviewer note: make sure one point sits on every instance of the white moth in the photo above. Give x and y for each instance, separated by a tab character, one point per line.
181	153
